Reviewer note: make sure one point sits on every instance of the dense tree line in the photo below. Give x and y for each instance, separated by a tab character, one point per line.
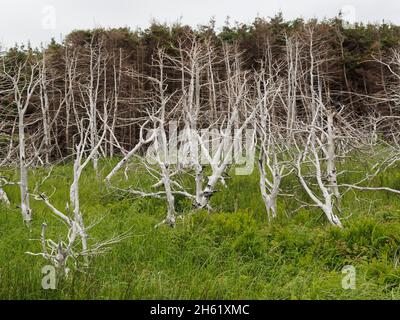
97	68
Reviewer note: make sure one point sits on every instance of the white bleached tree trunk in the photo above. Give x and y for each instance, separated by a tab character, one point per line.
271	169
23	171
117	73
159	165
24	78
330	153
292	61
45	106
308	156
90	90
59	253
270	187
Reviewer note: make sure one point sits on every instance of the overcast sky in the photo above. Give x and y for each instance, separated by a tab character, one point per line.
39	20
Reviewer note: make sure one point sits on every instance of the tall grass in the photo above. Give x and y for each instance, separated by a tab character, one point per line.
232	253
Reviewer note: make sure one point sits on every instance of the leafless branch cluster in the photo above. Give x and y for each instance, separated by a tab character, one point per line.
198	110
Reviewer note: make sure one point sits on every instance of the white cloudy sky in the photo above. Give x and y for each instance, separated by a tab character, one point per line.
39	20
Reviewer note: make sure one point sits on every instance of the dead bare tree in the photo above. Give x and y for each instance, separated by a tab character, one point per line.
45	107
293	71
3	181
226	134
186	110
157	162
76	245
271	142
89	88
309	156
23	77
381	131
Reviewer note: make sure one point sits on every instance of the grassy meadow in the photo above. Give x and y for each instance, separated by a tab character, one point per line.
231	253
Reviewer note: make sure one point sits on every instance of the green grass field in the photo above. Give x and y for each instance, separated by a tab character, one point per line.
232	253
